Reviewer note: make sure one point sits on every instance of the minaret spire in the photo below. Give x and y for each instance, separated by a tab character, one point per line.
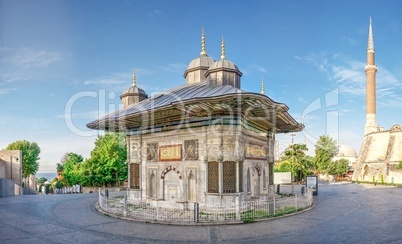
371	70
134	78
370	46
262	86
203	52
223	56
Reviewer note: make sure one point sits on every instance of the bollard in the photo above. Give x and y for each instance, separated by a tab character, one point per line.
238	215
303	190
272	207
196	212
106	193
125	206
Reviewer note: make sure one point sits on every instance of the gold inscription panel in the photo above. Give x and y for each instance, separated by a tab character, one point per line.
170	153
256	151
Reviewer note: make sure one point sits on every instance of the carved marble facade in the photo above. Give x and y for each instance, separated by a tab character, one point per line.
200	165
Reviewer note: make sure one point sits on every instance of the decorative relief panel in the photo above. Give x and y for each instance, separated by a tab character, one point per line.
152	152
191	150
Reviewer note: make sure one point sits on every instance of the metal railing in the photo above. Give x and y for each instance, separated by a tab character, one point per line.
184	212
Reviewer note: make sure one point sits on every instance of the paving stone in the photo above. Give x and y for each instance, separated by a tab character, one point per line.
344	213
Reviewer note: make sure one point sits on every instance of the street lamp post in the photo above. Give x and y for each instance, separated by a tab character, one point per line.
291	173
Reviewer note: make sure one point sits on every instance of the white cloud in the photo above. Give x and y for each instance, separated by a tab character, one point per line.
6	90
349	76
27	58
174	68
8	78
254	68
155	13
105	81
84	115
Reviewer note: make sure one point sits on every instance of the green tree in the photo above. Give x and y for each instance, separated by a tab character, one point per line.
71	169
107	164
297	156
41	180
59	168
30	156
342	167
325	149
283	166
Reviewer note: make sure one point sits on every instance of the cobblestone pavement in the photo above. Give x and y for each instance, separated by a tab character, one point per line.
344	213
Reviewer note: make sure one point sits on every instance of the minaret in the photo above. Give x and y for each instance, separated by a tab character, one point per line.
371	70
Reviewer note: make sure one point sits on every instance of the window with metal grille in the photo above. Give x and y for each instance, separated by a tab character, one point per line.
135	176
229	177
213	177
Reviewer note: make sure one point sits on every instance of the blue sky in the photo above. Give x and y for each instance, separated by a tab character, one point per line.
64	63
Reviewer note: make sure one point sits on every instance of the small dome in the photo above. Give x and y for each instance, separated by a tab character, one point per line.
223	63
203	61
346	151
133	90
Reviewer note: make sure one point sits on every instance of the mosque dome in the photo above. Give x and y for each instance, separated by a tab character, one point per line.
346	151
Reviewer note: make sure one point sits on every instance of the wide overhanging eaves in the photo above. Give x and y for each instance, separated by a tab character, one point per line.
256	108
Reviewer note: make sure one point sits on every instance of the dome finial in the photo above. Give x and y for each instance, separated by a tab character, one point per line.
370	46
203	52
262	86
134	78
223	56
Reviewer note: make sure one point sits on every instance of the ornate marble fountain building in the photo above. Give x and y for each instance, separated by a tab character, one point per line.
205	141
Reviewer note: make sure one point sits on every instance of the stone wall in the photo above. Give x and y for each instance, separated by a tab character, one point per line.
379	155
7	188
11	166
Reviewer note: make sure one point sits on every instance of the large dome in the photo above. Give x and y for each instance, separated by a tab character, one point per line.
346	151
